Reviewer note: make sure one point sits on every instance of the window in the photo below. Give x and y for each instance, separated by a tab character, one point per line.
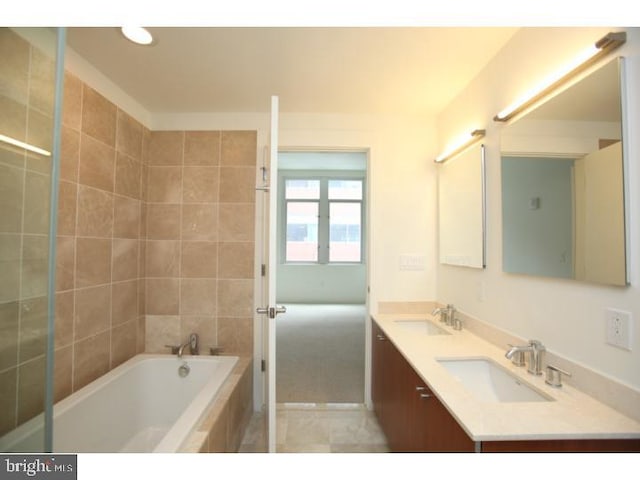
323	220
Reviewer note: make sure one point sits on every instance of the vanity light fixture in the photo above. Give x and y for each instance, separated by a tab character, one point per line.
584	60
138	35
462	144
26	146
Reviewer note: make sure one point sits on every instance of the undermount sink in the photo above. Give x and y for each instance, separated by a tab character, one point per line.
421	326
490	382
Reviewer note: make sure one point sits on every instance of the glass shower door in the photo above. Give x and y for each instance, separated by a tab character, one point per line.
28	186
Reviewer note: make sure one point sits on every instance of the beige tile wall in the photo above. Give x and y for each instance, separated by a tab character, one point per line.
155	238
99	278
199	252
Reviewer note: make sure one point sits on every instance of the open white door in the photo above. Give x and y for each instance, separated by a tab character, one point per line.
270	311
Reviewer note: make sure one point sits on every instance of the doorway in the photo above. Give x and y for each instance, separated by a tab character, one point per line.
321	277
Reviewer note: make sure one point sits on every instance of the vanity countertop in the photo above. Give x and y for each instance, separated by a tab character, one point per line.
571	415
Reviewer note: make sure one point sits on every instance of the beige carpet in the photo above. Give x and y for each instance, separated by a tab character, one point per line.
320	354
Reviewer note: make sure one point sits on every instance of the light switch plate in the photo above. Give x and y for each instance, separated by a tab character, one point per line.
412	262
619	325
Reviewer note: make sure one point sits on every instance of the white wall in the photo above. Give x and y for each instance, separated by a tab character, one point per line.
567	316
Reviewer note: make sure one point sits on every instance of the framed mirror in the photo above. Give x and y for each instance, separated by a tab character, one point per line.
563	184
461	208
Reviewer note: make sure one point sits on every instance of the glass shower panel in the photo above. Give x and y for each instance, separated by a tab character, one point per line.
27	99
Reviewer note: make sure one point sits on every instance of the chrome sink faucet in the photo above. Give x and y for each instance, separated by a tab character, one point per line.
447	314
534	351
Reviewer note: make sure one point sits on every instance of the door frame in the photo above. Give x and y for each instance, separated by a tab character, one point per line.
260	380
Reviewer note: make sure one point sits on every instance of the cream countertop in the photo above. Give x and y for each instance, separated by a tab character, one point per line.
572	414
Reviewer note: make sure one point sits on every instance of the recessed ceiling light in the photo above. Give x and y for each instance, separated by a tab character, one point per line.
138	35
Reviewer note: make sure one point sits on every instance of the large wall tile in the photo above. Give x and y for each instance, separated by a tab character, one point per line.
69	154
10	263
163	258
124	302
98	116
91	359
93	261
237	184
197	296
33	328
125	259
97	164
72	102
31	382
127	217
62	374
200	185
9	312
165	148
162	296
11	198
199	222
238	148
236	222
123	343
129	135
8	389
92	311
236	260
95	213
235	298
164	184
199	259
128	176
163	221
202	148
67	207
65	263
161	330
64	318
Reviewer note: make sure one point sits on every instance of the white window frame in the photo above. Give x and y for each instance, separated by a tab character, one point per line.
323	209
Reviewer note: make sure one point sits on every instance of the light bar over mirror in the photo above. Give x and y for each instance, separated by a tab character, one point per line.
579	64
460	145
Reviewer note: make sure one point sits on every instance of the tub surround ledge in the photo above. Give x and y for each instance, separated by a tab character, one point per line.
222	426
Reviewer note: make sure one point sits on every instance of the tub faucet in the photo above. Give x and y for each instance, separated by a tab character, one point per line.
192	343
534	351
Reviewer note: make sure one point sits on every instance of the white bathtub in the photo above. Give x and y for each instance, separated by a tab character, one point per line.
142	405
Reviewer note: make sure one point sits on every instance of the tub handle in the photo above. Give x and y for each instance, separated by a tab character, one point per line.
174	349
215	350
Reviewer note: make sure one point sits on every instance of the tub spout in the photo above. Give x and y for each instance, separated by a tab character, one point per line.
192	343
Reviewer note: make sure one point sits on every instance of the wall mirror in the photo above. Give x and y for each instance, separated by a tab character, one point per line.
563	184
461	209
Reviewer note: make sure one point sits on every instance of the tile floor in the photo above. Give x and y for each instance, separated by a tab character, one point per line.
318	428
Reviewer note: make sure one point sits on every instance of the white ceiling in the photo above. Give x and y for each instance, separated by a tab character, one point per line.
405	70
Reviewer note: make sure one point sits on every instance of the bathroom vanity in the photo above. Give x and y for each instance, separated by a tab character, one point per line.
424	406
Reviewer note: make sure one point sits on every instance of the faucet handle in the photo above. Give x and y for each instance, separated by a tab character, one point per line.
174	349
215	350
518	357
554	376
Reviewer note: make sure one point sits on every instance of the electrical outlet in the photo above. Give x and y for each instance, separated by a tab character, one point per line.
619	327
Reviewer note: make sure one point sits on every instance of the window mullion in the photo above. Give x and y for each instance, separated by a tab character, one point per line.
323	223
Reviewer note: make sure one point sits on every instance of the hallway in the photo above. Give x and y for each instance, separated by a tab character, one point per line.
320	354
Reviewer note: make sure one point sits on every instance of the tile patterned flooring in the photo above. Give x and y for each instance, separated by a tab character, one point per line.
318	428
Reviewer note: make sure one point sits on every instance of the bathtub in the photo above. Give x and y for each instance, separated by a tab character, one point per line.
143	405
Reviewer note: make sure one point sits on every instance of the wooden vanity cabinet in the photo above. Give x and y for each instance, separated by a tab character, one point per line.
414	420
411	416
